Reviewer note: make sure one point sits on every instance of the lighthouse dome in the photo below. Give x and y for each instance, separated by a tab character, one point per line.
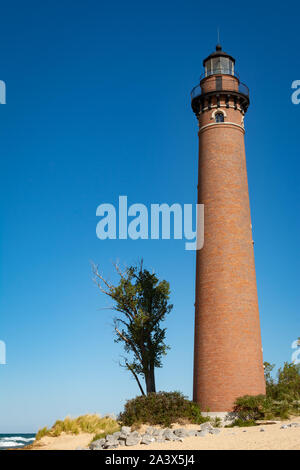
219	62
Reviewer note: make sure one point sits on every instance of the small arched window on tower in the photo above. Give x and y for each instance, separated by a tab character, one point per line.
219	117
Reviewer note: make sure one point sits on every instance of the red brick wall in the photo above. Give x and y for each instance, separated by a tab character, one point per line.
228	359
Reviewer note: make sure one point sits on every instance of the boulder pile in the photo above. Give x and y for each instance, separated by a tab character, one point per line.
291	425
132	438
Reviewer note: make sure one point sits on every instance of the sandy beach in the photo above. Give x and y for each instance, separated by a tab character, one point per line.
273	438
63	442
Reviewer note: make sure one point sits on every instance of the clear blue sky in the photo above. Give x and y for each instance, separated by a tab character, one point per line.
98	106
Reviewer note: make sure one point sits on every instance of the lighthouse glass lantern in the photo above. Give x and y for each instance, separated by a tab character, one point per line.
219	63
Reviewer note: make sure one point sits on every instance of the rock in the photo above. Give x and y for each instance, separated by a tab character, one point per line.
206	426
147	439
109	445
168	435
202	433
295	425
214	431
157	434
181	432
97	445
125	429
262	430
192	432
133	439
151	430
284	426
111	440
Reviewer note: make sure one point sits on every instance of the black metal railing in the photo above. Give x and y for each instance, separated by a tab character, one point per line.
225	85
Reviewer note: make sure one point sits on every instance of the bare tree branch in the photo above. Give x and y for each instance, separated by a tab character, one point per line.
118	269
131	369
98	277
136	377
131	344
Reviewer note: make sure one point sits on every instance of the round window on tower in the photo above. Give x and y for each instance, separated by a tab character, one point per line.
219	117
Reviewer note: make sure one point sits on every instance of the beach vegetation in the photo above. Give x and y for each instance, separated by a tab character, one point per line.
216	422
242	423
282	398
89	423
41	433
162	408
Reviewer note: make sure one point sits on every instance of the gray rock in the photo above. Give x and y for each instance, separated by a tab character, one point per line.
284	426
111	440
150	430
206	426
157	433
295	425
125	429
181	432
133	439
117	434
168	435
178	439
98	444
262	430
214	431
111	437
147	439
202	433
192	432
110	445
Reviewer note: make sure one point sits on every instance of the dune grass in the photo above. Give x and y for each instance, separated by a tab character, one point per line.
92	424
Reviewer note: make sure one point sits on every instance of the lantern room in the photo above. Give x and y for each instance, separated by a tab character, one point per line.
219	63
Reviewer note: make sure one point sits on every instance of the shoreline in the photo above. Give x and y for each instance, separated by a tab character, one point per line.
246	438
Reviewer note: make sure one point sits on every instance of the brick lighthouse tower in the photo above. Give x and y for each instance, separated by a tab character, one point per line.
228	359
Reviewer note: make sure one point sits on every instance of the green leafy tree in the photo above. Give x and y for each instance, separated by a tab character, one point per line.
288	385
270	383
142	303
